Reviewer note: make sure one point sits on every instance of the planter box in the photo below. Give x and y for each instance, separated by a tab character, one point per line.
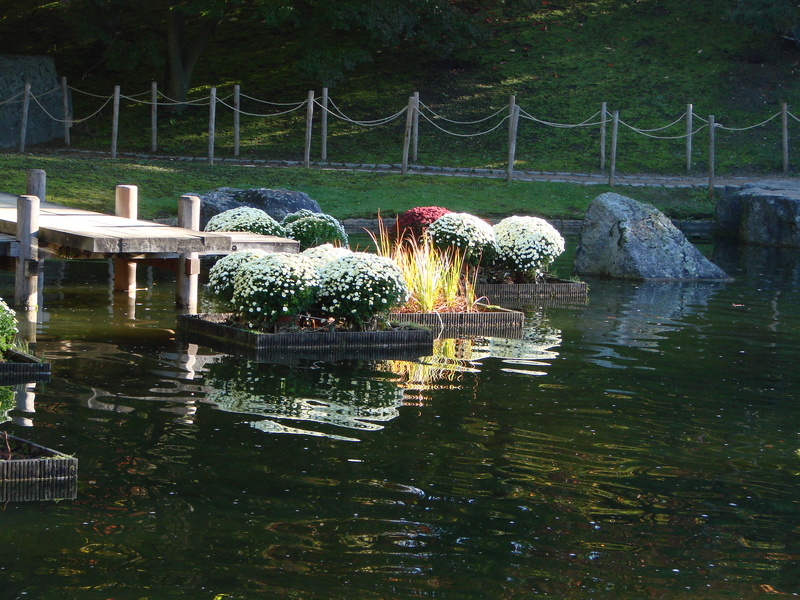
554	292
22	368
211	330
506	323
44	474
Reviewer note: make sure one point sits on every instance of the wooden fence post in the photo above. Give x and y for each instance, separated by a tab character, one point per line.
309	125
614	134
212	124
126	205
689	125
115	123
237	109
188	277
712	152
415	130
23	119
603	121
323	131
65	106
513	127
785	135
27	271
407	134
36	184
153	117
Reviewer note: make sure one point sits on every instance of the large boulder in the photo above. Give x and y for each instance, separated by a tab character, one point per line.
276	203
626	239
764	213
40	72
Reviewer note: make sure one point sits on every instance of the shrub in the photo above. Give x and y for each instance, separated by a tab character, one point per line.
220	276
245	218
527	245
358	286
295	216
274	286
8	326
322	255
473	236
314	229
417	220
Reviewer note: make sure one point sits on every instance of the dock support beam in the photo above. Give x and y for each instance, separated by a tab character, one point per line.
126	205
27	273
189	262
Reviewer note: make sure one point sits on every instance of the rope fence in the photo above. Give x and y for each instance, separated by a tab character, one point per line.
414	111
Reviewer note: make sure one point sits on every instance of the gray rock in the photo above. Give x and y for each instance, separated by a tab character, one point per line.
626	239
40	71
276	203
765	213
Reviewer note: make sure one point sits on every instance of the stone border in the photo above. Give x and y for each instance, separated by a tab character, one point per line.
210	329
49	475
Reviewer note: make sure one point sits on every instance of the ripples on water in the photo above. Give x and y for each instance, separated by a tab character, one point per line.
642	446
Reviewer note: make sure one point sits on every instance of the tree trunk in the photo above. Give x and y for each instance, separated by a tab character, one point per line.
183	54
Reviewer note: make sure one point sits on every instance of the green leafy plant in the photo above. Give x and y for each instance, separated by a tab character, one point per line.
314	229
245	218
8	326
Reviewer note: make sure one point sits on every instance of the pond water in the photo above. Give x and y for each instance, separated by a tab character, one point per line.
642	446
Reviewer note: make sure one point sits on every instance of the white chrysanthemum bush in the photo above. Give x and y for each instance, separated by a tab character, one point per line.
527	245
274	286
313	229
358	286
472	235
220	276
245	218
322	255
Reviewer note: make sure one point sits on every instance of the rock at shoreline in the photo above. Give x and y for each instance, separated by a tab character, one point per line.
764	213
626	239
276	203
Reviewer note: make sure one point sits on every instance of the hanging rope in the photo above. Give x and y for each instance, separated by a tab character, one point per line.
275	114
587	123
463	135
443	118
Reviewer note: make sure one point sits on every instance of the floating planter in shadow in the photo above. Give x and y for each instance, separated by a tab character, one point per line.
29	471
18	367
213	330
553	292
490	323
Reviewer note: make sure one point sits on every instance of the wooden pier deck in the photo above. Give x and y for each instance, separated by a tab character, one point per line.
73	233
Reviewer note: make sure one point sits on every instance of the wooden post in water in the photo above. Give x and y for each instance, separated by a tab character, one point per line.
27	272
407	135
785	135
603	121
309	125
126	205
237	108
23	119
513	126
189	262
415	130
323	132
36	184
712	154
689	125
115	123
212	124
65	105
153	117
614	133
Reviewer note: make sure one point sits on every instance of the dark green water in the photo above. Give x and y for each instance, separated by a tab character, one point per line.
642	447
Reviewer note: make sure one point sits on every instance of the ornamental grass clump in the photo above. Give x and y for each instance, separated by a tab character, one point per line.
527	246
313	229
415	221
221	275
358	286
8	326
473	236
322	255
274	287
245	218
